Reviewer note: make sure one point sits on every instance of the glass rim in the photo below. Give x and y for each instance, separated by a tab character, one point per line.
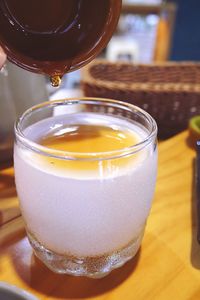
84	156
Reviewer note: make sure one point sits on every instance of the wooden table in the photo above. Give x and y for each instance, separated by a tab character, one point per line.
167	265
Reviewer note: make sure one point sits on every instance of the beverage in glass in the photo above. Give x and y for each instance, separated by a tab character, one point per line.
85	174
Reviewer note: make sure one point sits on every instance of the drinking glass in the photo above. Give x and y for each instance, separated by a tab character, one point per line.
85	211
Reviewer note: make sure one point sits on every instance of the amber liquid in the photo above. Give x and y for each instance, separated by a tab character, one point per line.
55	37
91	139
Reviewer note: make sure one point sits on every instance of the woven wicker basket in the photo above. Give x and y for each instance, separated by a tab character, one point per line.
170	92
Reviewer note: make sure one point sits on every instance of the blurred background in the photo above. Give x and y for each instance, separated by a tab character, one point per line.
148	31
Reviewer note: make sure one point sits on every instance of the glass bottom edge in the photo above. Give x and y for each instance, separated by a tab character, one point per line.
92	267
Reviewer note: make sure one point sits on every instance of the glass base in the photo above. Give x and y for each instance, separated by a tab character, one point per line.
93	267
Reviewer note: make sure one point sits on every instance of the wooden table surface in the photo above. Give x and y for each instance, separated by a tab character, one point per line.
166	267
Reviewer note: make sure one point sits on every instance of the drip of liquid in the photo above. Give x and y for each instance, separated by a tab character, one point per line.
56	80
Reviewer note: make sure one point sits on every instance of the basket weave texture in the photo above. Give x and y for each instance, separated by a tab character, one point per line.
170	92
